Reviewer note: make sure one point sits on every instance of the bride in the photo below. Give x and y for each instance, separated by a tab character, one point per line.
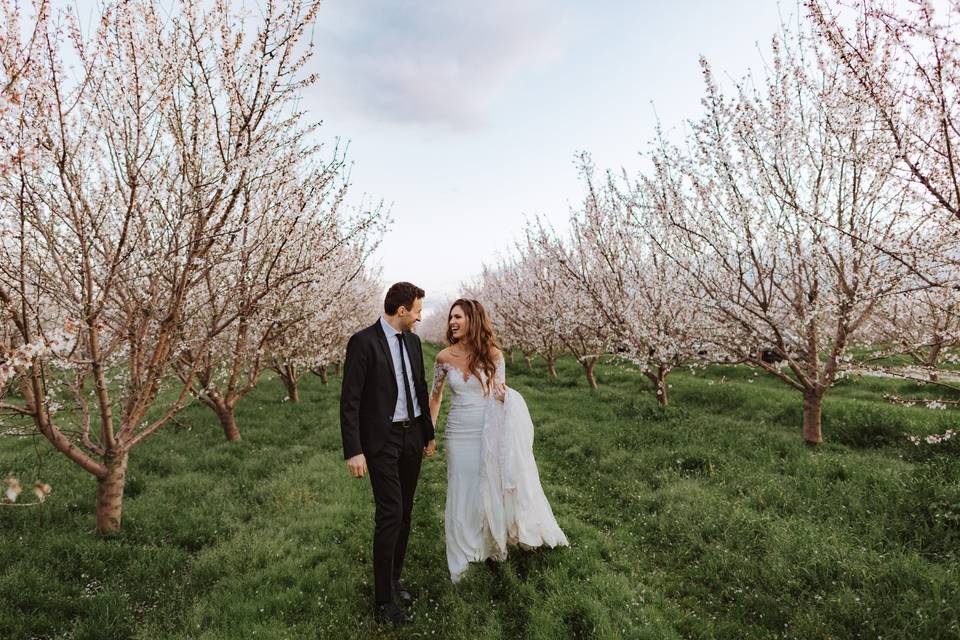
494	497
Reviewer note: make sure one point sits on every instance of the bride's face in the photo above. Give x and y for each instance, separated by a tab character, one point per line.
458	323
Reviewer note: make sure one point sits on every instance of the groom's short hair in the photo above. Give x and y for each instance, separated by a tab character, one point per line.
402	294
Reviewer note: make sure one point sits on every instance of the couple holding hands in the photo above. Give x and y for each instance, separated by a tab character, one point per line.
387	418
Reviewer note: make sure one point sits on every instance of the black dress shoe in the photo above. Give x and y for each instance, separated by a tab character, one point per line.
401	594
391	613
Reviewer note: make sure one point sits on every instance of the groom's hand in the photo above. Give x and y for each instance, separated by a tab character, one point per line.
357	466
430	449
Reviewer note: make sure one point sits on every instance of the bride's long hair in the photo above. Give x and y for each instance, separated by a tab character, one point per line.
480	339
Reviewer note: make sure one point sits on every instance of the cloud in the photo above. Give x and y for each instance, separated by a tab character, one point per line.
430	62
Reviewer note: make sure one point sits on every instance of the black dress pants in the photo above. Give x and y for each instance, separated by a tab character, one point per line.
394	471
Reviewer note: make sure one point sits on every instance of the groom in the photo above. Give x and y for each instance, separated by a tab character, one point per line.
387	430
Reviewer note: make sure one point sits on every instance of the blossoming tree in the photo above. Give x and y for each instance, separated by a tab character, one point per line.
319	318
903	59
294	239
748	204
136	188
640	295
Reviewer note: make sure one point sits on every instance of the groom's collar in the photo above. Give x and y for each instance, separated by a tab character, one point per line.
387	327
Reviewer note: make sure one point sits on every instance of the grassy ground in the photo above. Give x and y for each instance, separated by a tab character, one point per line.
710	519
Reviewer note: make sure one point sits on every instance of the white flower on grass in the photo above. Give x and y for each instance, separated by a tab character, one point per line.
940	438
935	438
13	488
41	490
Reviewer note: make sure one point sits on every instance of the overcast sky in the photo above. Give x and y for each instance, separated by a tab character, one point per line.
464	117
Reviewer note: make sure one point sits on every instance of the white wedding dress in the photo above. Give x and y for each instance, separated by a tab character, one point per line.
494	496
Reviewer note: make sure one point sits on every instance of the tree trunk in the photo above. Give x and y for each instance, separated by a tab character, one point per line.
224	411
229	423
321	373
588	370
659	380
337	366
812	405
662	396
293	392
529	359
552	367
289	377
510	356
110	493
933	358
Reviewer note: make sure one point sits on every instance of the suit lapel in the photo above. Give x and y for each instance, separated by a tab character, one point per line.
385	347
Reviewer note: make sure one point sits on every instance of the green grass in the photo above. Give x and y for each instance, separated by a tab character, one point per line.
708	519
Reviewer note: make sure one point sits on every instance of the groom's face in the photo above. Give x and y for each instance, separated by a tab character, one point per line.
410	317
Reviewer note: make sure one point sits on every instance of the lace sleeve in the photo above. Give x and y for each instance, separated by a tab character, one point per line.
439	376
500	375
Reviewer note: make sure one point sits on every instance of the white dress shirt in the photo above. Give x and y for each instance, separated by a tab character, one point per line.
400	413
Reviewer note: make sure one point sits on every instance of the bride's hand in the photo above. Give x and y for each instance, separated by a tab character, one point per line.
500	392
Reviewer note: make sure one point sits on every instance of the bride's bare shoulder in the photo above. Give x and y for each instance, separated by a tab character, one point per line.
444	356
496	353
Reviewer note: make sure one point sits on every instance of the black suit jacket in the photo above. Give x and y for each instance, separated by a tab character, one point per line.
368	396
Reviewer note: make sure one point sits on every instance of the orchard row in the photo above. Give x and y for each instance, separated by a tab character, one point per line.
805	224
170	228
